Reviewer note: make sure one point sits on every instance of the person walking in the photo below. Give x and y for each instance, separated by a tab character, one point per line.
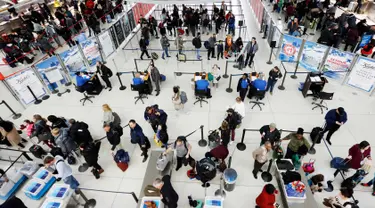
155	76
183	149
137	137
274	75
296	141
197	43
335	118
9	132
250	49
155	116
179	43
143	43
105	73
243	85
260	157
114	137
176	99
64	171
90	152
211	46
239	107
168	195
267	198
164	42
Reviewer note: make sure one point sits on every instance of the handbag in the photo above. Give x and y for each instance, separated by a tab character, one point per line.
157	141
218	78
309	167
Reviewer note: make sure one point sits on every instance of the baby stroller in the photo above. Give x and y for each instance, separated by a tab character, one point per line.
213	139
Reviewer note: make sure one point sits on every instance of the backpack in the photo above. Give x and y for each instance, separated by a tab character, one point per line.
314	133
117	119
119	130
122	156
206	44
183	97
352	204
290	176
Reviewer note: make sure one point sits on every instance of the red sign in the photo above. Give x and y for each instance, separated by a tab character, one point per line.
289	49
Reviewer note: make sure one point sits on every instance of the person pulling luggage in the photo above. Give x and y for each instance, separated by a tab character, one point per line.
90	152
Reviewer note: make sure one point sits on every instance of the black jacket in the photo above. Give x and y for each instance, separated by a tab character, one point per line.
197	42
269	136
104	70
274	76
142	44
79	132
59	123
114	138
137	135
163	136
170	196
91	153
326	37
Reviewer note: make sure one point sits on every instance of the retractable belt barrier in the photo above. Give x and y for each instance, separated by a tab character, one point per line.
14	114
282	87
229	89
118	74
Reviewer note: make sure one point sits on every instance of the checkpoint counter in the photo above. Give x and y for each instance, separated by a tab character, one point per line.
306	201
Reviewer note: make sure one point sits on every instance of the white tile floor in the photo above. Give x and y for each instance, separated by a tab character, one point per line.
288	109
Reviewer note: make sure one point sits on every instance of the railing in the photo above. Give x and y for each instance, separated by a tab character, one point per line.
229	89
115	192
16	160
15	115
281	86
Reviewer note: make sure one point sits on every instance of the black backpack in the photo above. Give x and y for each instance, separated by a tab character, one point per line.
290	176
206	44
315	132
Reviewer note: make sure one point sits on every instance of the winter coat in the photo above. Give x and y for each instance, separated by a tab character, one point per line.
164	42
358	156
40	127
44	44
136	134
220	152
197	43
326	37
79	132
155	75
212	42
114	138
179	43
331	118
253	46
352	36
91	153
274	76
265	200
103	70
59	123
9	132
160	119
65	142
142	44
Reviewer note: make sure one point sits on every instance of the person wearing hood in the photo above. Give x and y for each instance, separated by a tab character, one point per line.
79	132
137	137
63	140
267	198
57	122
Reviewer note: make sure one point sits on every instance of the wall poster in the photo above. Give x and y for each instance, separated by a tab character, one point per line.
290	48
363	74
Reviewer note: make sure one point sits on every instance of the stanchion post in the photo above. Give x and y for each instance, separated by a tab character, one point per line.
281	87
88	202
226	70
294	76
229	89
15	115
122	87
202	142
135	197
269	60
242	146
37	101
27	156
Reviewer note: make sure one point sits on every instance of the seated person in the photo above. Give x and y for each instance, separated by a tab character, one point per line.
220	152
257	85
203	84
137	80
85	83
82	79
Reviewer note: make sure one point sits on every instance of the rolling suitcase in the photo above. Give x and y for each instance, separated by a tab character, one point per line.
123	166
37	151
154	56
315	134
181	57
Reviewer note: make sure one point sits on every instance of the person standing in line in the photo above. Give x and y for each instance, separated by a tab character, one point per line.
274	75
260	157
233	119
155	116
215	71
137	137
153	24
220	50
250	49
205	22
269	133
239	107
168	194
64	171
231	25
197	43
164	42
183	149
114	137
143	43
179	43
108	117
10	133
243	85
335	118
211	46
155	76
90	152
225	132
296	141
105	73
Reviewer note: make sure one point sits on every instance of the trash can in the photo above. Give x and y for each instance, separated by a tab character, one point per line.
230	177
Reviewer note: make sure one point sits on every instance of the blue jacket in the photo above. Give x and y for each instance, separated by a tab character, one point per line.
202	84
81	80
231	22
260	84
331	117
137	81
162	119
136	134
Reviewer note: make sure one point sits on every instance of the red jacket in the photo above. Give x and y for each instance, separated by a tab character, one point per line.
357	156
220	152
265	200
90	4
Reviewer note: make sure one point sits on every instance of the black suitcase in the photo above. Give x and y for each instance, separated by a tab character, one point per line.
56	151
37	151
314	133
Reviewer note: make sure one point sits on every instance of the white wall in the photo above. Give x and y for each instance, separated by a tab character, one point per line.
12	102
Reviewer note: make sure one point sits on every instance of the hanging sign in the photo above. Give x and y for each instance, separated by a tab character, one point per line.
337	63
19	83
312	56
106	42
290	48
363	74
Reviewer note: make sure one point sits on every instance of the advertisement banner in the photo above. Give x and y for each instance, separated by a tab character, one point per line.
106	42
19	83
91	50
137	12
363	74
312	56
131	19
365	39
113	35
126	25
290	48
119	32
337	63
51	72
73	60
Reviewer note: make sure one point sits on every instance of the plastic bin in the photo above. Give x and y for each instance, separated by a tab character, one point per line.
59	191
14	175
33	187
29	168
52	203
213	202
6	188
156	200
43	175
